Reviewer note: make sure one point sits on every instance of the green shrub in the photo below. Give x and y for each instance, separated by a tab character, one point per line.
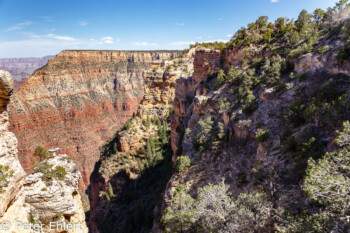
291	75
31	218
215	210
44	189
262	135
302	49
5	173
201	140
148	122
294	113
42	153
250	108
48	173
327	180
182	162
59	214
220	79
225	105
218	142
127	125
343	54
323	49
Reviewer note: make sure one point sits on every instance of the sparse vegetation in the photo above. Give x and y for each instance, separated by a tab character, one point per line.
182	163
216	210
262	135
42	153
5	174
58	172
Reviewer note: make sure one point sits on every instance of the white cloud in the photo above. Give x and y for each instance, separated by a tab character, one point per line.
83	23
107	40
143	43
218	40
57	37
40	45
199	37
182	43
274	1
46	18
18	26
229	35
220	19
180	24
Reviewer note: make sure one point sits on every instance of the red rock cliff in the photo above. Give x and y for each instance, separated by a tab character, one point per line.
78	101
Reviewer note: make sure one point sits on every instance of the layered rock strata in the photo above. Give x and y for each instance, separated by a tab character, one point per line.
78	100
35	199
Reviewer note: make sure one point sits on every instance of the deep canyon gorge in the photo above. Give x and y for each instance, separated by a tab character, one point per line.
252	135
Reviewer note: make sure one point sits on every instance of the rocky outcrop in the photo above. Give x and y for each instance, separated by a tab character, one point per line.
53	203
78	101
12	173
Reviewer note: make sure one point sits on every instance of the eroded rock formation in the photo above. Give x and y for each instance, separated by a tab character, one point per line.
11	169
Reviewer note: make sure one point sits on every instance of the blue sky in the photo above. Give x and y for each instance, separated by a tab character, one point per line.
37	28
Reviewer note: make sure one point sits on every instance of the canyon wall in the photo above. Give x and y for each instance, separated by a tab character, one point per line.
218	129
79	100
128	169
41	197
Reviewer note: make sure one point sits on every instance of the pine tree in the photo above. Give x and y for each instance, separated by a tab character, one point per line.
148	122
42	153
140	165
164	132
149	154
110	191
327	180
220	79
107	196
115	147
158	123
180	215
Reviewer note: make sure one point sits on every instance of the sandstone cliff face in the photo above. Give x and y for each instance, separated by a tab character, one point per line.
78	101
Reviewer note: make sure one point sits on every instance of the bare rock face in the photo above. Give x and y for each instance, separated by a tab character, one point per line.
205	60
78	101
54	201
58	199
56	196
10	166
